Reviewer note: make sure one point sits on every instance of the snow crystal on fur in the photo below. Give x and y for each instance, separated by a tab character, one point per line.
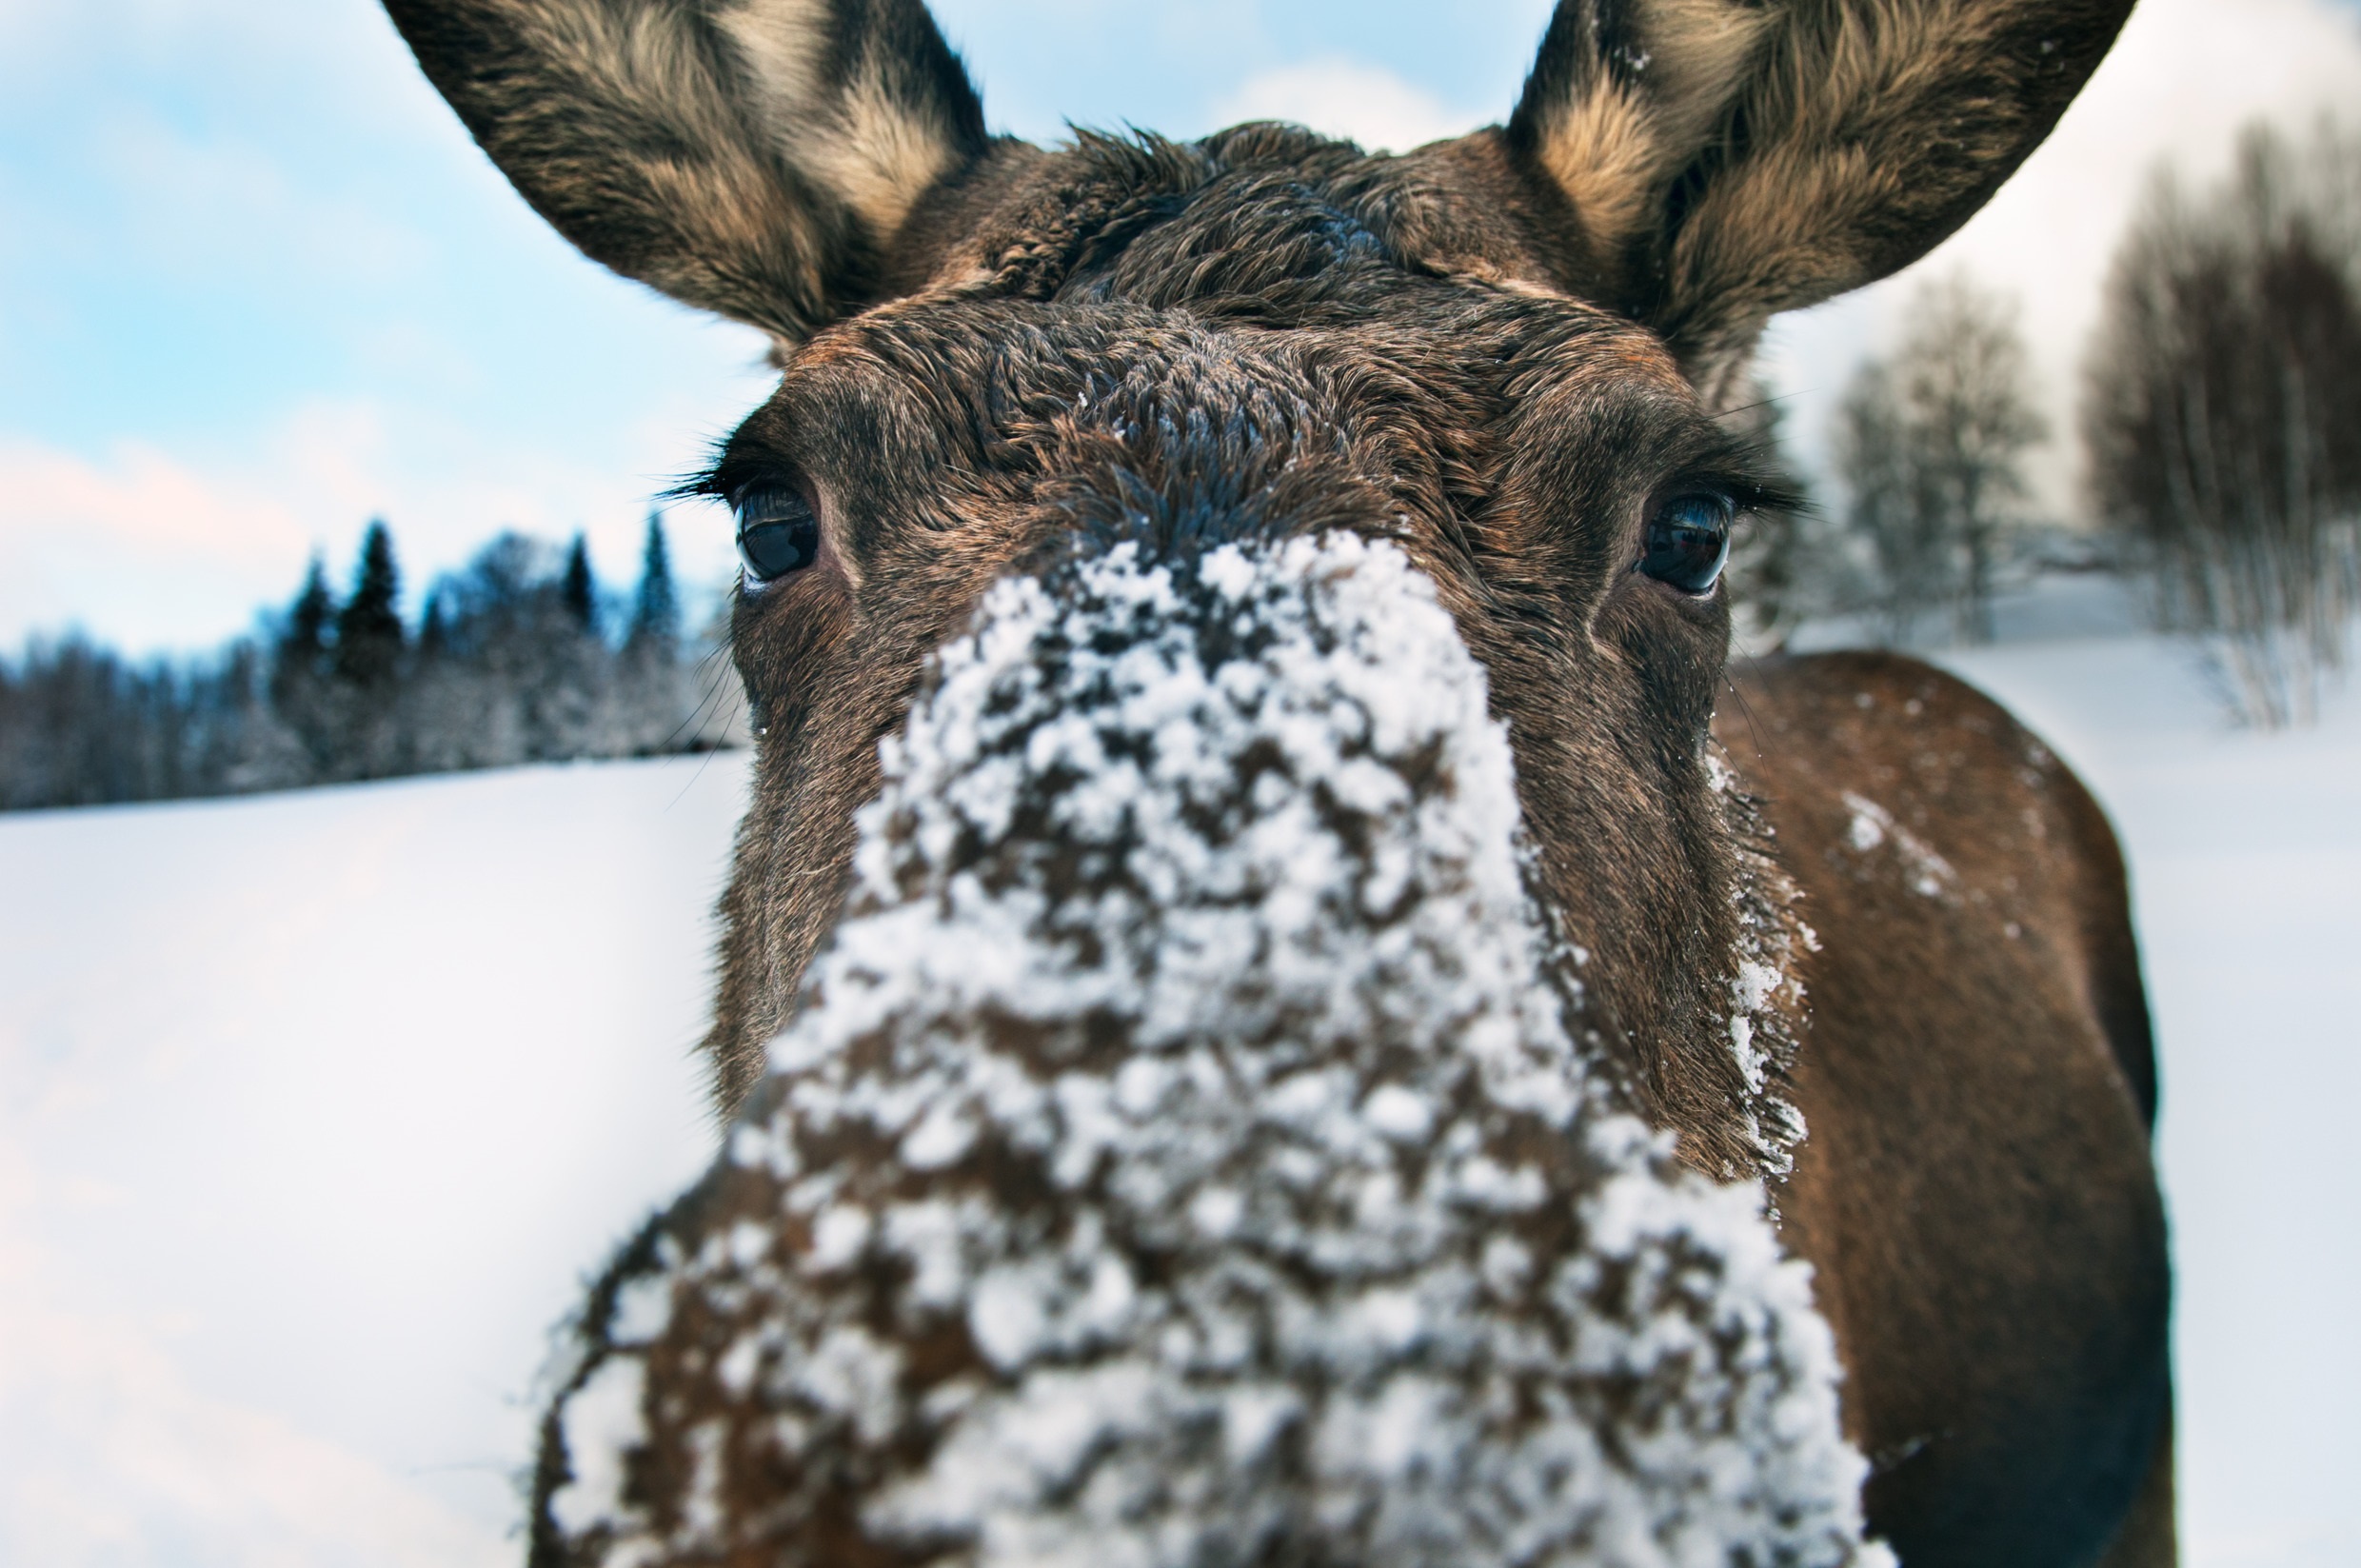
1182	1159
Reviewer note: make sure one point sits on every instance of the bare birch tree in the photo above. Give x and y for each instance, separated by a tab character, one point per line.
1930	445
2222	415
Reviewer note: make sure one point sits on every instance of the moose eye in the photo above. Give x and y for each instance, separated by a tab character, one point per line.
777	535
1688	541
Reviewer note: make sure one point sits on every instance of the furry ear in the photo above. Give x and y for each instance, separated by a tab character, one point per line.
1729	159
750	157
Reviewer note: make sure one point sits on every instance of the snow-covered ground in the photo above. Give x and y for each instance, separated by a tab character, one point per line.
315	1109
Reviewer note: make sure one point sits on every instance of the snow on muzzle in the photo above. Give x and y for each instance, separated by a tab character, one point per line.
1182	1160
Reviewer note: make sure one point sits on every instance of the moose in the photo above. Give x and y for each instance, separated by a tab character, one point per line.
1282	998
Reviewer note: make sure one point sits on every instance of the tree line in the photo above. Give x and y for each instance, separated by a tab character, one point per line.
2220	421
521	657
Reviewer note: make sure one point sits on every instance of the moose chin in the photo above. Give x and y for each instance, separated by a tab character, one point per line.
1282	1001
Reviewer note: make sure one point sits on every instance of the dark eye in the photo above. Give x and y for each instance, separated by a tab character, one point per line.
777	535
1688	541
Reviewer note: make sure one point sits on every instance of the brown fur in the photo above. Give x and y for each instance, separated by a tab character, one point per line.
1729	160
1502	351
1422	410
752	157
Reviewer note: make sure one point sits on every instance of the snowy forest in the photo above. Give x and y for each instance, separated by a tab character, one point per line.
522	657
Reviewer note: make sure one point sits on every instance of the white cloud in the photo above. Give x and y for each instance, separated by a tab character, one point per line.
1339	97
155	549
2183	79
159	548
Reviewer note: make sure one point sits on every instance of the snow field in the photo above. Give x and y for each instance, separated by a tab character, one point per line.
313	1110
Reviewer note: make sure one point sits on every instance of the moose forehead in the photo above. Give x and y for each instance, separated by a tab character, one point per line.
1262	300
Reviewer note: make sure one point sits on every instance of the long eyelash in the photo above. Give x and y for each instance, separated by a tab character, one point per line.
711	483
1743	468
705	486
1755	493
1746	491
731	478
735	468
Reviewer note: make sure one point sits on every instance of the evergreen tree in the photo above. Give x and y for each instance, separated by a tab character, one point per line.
368	629
579	589
653	696
302	650
299	693
505	668
566	672
656	608
434	631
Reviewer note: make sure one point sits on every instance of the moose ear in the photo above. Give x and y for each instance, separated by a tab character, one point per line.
1729	159
750	157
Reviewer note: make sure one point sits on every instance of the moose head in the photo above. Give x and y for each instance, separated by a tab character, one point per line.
1041	409
1505	352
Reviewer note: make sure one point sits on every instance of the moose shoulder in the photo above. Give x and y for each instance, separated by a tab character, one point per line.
1189	1079
1980	1086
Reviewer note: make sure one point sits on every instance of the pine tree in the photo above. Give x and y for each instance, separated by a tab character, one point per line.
368	629
303	646
505	667
299	664
656	608
654	689
300	653
434	631
363	735
580	589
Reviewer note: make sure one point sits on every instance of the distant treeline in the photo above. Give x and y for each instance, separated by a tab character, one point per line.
517	658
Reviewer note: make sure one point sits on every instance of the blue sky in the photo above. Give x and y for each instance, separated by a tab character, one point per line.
256	285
